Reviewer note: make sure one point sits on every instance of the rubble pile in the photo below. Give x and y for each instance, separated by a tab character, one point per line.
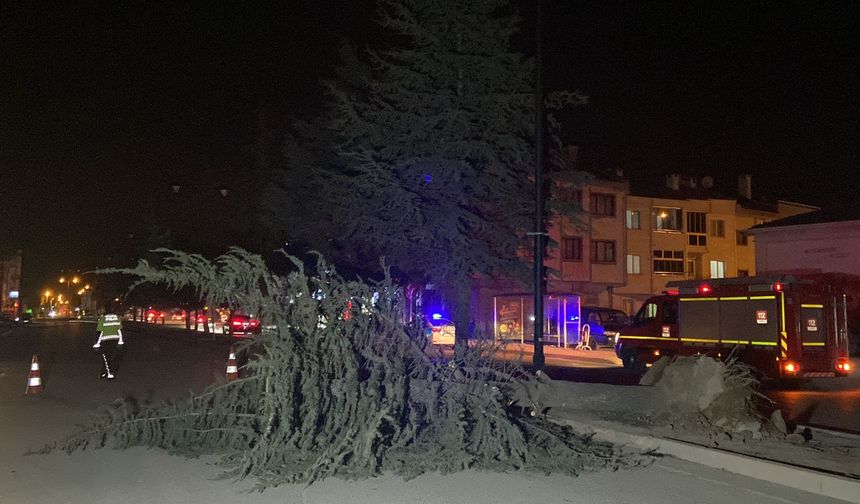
699	393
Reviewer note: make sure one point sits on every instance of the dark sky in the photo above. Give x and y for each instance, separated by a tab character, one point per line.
104	107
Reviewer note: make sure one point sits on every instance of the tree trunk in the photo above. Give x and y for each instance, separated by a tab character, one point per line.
462	315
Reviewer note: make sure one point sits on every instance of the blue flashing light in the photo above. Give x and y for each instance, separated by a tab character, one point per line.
428	178
437	316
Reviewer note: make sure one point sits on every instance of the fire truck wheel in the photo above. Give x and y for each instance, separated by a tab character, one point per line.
630	359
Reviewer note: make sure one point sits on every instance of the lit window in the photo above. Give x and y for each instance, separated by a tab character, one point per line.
667	219
718	269
633	264
633	219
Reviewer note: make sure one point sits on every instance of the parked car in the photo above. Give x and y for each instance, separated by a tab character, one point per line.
155	316
439	330
241	325
604	324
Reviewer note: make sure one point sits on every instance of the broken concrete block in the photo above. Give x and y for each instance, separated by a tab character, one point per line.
655	372
778	422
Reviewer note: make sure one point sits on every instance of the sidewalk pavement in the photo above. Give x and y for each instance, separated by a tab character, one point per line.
827	465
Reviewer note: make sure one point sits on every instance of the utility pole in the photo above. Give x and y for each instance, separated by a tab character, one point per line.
538	360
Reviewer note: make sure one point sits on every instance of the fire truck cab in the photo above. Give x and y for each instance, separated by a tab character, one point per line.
783	326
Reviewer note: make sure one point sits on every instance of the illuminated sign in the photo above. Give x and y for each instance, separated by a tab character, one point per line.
13	294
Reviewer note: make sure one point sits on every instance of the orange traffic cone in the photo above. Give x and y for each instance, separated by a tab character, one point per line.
34	381
232	370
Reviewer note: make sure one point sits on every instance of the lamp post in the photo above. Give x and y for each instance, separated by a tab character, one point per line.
47	303
84	291
538	360
69	282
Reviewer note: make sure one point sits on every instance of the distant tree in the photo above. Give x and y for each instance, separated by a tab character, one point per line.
430	147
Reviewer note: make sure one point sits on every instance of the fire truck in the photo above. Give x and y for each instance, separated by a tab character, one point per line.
781	325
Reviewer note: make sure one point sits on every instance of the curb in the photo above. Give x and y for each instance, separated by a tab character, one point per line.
807	480
568	353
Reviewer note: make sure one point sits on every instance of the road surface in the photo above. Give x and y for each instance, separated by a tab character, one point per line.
161	365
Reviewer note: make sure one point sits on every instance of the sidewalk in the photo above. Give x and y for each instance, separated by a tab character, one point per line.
604	356
828	464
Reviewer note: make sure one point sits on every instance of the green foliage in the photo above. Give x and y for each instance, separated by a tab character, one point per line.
426	151
331	395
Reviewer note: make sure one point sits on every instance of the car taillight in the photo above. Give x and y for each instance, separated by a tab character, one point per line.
844	366
237	323
790	367
254	322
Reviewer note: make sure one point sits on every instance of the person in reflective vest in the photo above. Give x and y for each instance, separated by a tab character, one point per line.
109	344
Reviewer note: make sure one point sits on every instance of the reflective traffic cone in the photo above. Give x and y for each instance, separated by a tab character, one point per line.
232	370
34	381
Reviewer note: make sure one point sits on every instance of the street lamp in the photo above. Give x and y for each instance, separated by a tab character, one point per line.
69	282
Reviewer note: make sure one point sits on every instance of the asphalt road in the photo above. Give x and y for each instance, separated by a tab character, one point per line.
68	360
65	347
164	364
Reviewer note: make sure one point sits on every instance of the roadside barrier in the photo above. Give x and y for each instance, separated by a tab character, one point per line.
34	381
232	369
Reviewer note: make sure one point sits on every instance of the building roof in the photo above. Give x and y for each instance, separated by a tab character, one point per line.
817	217
682	193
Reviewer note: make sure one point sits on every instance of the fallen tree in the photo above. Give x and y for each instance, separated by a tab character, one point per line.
342	387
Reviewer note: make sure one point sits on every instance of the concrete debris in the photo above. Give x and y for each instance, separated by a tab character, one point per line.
778	422
795	438
699	393
805	432
655	372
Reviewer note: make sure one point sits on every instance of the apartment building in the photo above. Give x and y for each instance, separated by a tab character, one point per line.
589	257
10	283
689	231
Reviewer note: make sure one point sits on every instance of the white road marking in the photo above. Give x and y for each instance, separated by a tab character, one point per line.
723	483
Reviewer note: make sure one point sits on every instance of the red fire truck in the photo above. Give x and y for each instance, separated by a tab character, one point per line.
784	326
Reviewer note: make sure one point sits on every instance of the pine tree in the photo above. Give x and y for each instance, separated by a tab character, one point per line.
335	395
434	143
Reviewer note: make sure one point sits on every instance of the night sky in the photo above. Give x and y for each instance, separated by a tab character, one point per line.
103	108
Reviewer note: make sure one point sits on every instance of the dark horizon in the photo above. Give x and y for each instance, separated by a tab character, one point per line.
106	108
